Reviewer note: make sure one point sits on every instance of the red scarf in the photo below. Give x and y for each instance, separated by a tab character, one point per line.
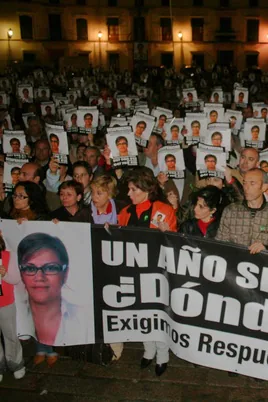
203	226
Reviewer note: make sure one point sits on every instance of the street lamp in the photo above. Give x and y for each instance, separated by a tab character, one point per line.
180	35
10	33
99	34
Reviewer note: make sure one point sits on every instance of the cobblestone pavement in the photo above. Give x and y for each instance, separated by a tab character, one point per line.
124	381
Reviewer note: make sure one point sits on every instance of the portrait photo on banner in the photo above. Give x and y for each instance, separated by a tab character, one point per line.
260	110
173	131
25	93
12	172
142	125
56	275
189	95
234	118
57	138
48	109
217	96
214	112
264	162
210	162
14	142
87	118
195	127
218	135
241	96
171	161
254	133
43	93
121	142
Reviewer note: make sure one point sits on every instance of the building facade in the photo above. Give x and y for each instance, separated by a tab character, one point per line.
121	33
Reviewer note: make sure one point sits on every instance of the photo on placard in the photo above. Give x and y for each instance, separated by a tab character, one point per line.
217	96
209	162
71	96
254	133
87	118
122	103
234	118
171	161
189	95
142	125
14	142
241	96
142	92
215	114
48	109
43	93
4	83
78	82
219	138
6	123
173	131
71	120
122	143
57	139
195	128
25	93
264	161
260	112
12	172
118	121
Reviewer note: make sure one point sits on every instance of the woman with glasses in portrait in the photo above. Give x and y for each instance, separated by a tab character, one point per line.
43	262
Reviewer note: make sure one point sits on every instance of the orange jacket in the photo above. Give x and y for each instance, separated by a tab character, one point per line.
159	208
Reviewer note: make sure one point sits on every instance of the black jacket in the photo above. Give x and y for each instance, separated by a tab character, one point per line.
82	215
190	227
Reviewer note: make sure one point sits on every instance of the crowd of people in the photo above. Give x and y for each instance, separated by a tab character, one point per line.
87	186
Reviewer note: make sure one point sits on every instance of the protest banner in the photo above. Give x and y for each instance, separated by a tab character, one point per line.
206	299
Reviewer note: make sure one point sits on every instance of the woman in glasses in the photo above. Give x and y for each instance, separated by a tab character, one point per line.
44	265
28	203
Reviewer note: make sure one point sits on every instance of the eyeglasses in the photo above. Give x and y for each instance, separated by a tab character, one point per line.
78	176
19	196
47	269
121	143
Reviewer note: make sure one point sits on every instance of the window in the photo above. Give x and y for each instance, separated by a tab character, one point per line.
198	59
198	3
252	60
167	59
226	24
54	22
252	30
139	29
224	3
112	3
165	3
139	3
253	3
29	57
225	57
197	29
113	29
81	2
26	27
81	29
165	24
113	60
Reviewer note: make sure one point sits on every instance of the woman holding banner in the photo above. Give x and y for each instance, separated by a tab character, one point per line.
207	213
147	211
